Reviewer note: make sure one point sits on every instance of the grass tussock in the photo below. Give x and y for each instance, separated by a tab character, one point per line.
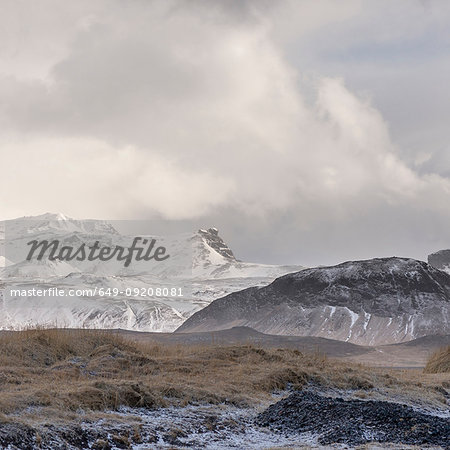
69	370
439	361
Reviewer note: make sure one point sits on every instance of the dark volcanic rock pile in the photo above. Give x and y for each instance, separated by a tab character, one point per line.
355	422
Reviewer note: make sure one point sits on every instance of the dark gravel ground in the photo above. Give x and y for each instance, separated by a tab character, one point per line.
355	422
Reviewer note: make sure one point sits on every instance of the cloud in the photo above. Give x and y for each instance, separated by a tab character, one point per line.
182	110
94	179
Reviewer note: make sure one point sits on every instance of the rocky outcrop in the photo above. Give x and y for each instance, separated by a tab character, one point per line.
212	238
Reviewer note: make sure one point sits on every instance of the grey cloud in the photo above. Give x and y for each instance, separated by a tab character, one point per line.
203	113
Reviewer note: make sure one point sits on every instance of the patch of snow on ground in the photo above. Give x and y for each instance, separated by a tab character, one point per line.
210	427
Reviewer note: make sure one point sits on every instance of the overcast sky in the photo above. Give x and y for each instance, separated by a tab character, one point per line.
308	132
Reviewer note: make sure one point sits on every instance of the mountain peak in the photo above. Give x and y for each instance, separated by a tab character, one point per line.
46	216
371	268
54	222
212	238
53	216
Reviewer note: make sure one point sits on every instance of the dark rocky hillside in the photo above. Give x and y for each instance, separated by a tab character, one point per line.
372	302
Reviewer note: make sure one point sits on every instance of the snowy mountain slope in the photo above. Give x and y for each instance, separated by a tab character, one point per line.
440	260
201	267
202	255
372	302
78	312
57	223
37	270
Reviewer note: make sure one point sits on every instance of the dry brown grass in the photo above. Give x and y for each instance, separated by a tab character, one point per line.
69	370
439	361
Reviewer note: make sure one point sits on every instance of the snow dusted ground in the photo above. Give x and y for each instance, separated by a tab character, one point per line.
197	427
205	427
213	427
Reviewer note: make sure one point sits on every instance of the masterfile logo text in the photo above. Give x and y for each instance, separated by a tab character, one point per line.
141	249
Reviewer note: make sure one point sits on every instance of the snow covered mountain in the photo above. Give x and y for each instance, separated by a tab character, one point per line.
378	301
440	260
143	296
